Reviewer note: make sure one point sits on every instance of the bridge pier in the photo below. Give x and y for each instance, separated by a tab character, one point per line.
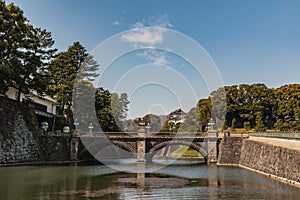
74	148
212	147
141	146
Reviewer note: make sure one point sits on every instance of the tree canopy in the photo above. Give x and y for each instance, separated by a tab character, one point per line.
25	52
67	67
255	106
109	108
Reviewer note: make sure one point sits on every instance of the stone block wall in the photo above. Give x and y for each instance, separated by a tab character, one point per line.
18	135
230	150
274	160
19	140
277	162
55	148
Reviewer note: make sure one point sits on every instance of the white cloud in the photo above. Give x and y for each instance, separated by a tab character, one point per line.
145	36
148	36
157	57
140	36
162	60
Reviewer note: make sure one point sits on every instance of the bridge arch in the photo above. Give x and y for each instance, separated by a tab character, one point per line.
126	146
92	146
156	147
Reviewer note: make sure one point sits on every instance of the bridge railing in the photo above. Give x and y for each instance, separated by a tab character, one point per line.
115	134
150	134
173	134
234	134
281	135
170	134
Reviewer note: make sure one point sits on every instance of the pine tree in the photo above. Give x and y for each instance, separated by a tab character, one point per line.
25	52
64	70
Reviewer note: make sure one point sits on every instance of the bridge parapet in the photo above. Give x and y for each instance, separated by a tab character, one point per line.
148	135
281	135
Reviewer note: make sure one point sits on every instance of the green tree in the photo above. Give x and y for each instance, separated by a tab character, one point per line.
203	113
25	52
259	122
256	104
288	107
13	27
111	109
218	107
84	103
34	62
233	107
119	108
244	101
63	71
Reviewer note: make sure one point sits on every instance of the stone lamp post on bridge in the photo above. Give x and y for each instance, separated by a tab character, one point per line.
91	128
76	123
148	127
210	125
211	132
75	130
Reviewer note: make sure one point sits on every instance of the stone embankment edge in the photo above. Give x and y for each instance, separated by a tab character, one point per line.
45	163
278	178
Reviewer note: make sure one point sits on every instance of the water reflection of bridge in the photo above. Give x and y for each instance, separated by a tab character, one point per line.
146	145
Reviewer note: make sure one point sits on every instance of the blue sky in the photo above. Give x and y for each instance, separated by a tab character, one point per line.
250	41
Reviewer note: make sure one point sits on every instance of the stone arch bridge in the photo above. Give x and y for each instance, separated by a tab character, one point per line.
145	145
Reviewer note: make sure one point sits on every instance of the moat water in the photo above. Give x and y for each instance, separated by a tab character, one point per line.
184	180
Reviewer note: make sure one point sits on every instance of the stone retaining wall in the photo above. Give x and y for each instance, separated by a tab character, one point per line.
55	148
276	162
273	160
19	140
230	150
18	137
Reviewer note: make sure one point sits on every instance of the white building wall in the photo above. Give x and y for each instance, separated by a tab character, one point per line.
47	101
